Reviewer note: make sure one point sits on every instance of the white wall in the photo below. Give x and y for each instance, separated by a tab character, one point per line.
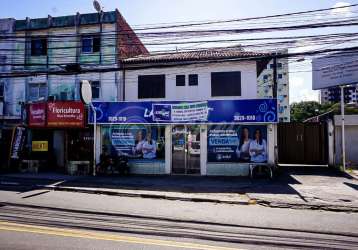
351	136
192	93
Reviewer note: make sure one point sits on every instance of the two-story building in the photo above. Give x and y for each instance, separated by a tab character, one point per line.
194	112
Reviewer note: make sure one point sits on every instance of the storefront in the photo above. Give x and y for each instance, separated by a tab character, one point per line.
58	136
216	137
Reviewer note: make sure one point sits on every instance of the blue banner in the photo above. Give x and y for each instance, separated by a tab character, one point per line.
215	111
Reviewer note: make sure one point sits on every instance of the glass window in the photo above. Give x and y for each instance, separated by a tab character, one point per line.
39	47
96	89
226	83
193	80
151	86
86	44
180	80
91	44
137	142
2	86
37	91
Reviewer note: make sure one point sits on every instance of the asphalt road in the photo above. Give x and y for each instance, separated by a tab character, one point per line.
40	219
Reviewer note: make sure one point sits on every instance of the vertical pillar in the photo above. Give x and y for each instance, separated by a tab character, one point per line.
271	143
343	130
168	149
203	149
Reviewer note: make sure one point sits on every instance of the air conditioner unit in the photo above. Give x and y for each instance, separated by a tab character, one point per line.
1	108
51	98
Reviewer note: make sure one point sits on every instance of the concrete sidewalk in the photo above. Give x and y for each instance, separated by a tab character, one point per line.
297	188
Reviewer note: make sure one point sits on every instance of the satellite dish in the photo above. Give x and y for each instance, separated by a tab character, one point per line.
86	92
97	6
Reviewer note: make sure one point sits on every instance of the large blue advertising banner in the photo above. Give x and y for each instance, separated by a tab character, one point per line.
237	143
215	111
135	141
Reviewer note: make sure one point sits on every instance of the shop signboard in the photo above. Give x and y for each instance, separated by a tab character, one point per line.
17	142
39	146
65	114
334	70
37	114
213	111
237	143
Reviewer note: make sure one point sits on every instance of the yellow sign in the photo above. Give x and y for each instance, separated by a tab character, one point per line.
39	146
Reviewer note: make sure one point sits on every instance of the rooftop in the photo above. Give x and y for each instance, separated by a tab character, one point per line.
197	55
65	21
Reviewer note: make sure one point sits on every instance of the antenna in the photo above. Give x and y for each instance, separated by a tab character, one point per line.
97	6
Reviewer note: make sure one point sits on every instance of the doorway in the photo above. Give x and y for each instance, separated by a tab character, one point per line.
186	149
303	143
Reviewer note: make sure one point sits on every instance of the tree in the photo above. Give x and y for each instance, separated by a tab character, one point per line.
307	109
303	110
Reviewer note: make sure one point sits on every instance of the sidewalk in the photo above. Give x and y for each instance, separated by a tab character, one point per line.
315	188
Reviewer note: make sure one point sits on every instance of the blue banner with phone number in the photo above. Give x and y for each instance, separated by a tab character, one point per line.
166	112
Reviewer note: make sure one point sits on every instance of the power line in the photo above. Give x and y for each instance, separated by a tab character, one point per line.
166	65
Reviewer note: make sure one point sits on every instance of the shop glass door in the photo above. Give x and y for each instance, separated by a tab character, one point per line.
186	149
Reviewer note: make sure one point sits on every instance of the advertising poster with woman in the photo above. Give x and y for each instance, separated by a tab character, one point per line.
234	143
136	142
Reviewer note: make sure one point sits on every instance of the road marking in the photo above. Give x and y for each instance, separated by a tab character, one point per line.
7	226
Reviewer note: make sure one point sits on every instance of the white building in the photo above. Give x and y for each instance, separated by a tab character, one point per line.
190	110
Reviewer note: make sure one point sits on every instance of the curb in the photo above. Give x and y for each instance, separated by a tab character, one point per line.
352	176
322	207
147	196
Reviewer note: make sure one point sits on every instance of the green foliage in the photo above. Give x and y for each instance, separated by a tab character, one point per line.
307	109
304	110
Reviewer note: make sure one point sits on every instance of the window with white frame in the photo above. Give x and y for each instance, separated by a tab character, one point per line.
91	43
37	91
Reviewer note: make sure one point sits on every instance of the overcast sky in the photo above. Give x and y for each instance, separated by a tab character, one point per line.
168	11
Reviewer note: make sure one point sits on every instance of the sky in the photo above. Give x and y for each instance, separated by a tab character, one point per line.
139	12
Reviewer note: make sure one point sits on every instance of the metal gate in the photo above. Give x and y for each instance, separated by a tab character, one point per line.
303	143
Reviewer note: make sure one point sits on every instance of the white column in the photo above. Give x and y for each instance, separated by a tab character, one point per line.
168	149
203	149
271	142
343	131
330	135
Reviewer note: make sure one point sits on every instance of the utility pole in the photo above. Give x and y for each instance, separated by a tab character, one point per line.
343	130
